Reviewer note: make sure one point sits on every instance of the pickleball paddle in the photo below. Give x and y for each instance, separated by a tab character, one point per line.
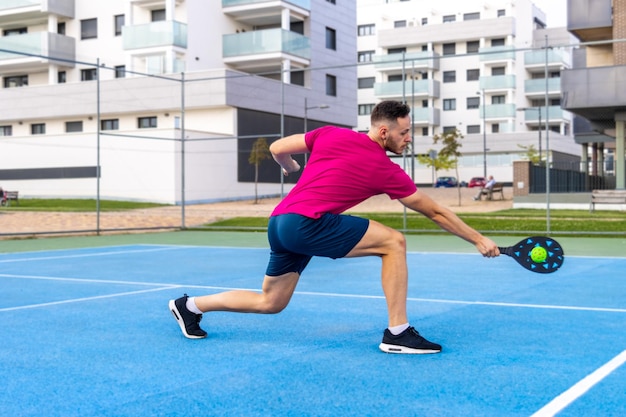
537	254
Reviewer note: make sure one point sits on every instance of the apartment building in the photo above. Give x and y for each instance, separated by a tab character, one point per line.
478	66
592	89
161	100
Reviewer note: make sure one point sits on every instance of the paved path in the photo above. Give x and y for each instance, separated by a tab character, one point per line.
17	222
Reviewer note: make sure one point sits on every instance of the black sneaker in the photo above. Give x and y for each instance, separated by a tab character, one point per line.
188	321
409	341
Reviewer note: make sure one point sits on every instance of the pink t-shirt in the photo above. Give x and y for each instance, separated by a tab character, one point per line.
344	169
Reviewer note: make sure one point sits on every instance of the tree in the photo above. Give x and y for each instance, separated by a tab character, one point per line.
531	154
448	156
260	151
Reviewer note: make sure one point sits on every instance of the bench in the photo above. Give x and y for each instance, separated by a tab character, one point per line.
607	197
10	196
489	192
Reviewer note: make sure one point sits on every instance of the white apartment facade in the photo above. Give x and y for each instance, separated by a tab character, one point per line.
164	98
477	66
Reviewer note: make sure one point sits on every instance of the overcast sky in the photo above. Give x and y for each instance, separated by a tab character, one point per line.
555	10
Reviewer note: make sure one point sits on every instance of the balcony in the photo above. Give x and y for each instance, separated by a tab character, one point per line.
31	12
33	49
156	34
537	87
265	12
498	111
265	49
497	54
497	82
531	115
392	63
425	116
408	88
536	61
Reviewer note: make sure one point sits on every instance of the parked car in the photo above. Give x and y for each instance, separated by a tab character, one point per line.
477	182
446	182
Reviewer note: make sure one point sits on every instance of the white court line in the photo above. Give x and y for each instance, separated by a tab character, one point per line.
584	385
78	300
87	255
90	280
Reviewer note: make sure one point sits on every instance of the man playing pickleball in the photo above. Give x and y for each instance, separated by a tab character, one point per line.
344	169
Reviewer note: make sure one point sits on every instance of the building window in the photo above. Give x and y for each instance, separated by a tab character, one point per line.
158	15
501	12
366	30
498	99
424	131
297	78
473	129
61	77
120	71
497	42
366	56
38	129
118	22
449	129
89	74
498	70
146	122
449	76
16	81
366	82
331	39
473	102
61	28
89	29
449	18
424	21
331	85
473	74
6	130
73	127
495	128
399	24
449	48
449	104
16	31
471	16
366	109
472	47
396	51
110	124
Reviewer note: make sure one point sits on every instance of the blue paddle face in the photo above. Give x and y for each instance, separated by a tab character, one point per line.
537	254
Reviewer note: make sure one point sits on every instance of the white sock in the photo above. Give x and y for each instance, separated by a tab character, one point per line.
191	305
396	330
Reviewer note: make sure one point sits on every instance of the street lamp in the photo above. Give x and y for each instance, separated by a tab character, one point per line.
483	104
306	117
538	110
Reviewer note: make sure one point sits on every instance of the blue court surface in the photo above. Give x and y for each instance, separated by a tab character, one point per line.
87	332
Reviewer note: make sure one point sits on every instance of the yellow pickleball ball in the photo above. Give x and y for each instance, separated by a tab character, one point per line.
538	254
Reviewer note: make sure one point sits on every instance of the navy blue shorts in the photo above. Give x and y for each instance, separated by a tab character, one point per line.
295	239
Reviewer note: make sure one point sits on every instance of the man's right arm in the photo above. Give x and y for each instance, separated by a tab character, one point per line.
283	148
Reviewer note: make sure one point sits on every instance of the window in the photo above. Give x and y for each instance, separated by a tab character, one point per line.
61	77
89	74
449	104
297	78
120	71
146	122
118	22
331	85
501	12
473	74
399	24
367	82
73	127
473	129
396	51
89	29
424	131
366	109
472	47
449	76
424	21
17	31
16	81
449	18
38	129
331	39
61	28
110	124
497	42
366	56
498	70
495	128
498	99
471	16
6	130
366	30
449	48
473	102
396	77
449	129
157	15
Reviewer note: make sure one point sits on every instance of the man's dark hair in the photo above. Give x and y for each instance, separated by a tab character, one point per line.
389	110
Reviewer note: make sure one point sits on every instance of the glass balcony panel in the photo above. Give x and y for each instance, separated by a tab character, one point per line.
497	53
425	59
264	42
532	114
43	44
162	33
497	82
499	111
539	85
305	4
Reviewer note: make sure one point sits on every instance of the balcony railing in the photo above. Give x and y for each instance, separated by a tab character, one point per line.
265	42
162	33
418	60
497	82
424	88
305	4
498	111
539	85
532	114
40	44
60	7
497	53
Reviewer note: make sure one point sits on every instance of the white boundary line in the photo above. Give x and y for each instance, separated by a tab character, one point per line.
87	255
581	387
